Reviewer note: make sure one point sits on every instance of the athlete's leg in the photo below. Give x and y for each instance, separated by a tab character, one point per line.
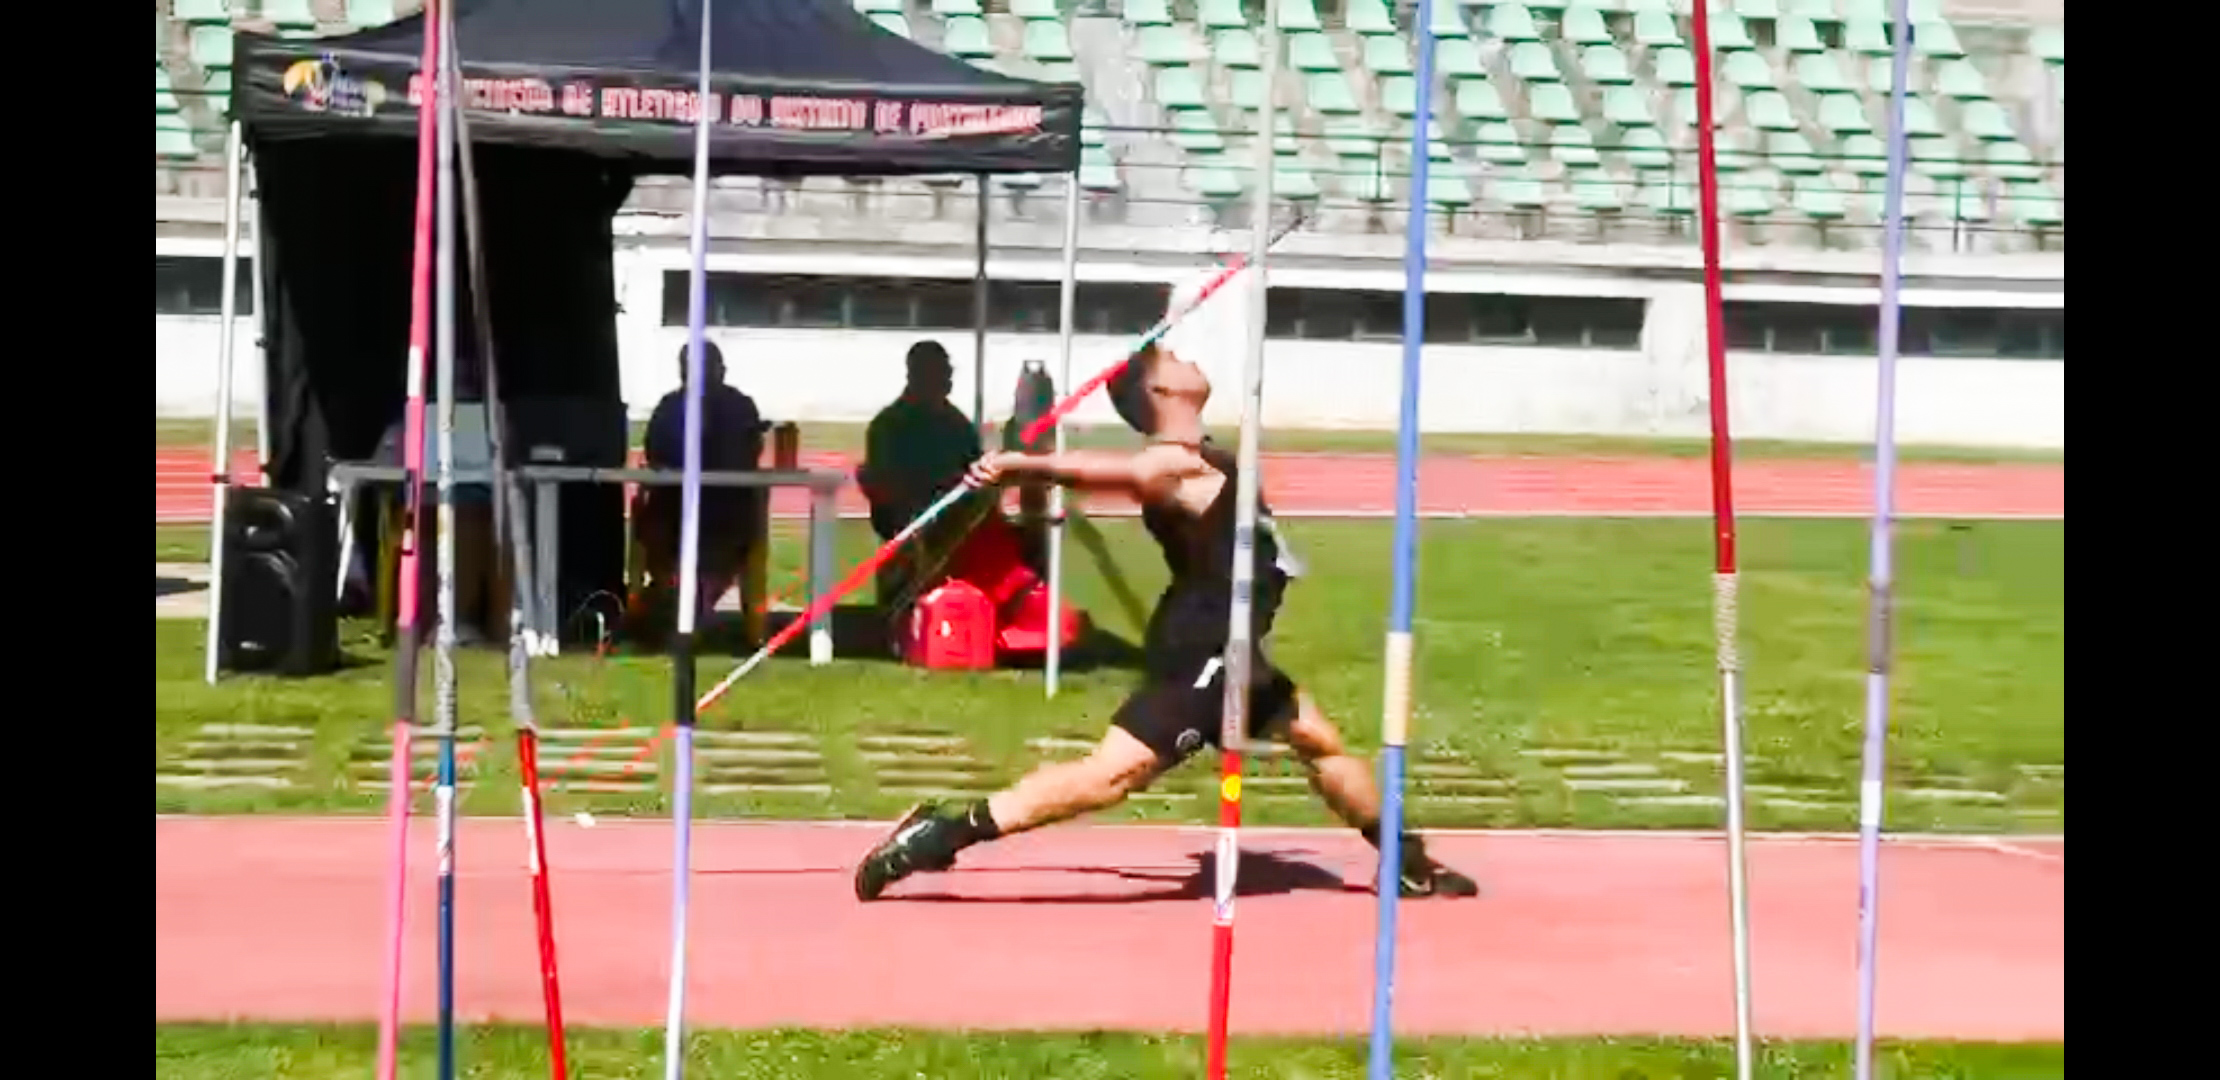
1118	766
1346	784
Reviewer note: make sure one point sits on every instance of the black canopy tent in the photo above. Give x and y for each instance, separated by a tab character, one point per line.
568	102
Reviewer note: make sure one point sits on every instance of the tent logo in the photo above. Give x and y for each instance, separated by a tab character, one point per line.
320	86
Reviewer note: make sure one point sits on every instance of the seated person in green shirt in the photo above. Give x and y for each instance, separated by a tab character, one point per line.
918	447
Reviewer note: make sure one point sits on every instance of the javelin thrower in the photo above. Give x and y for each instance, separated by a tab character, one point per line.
1186	486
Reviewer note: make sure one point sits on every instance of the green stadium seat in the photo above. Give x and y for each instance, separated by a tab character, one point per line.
1573	147
1817	198
1936	38
1094	128
867	7
211	46
1758	9
1676	67
1919	117
1749	71
1796	34
2012	161
1179	88
1552	102
1584	26
1299	15
1386	54
1148	13
1368	17
2033	206
1656	29
1477	99
1292	180
1607	66
1165	46
949	8
1512	22
1533	62
1596	191
1818	73
199	12
1213	178
1222	14
1038	9
165	101
1667	7
1498	142
1449	23
1628	106
1963	200
1369	184
1352	138
1791	153
1519	190
1645	150
1768	110
174	141
289	14
1670	196
1751	194
1938	157
364	13
1816	10
2048	43
892	24
1843	114
1880	70
1046	40
1312	52
1960	79
1865	155
1733	151
1329	93
1446	186
1727	32
1459	58
1986	120
1868	36
1196	132
1236	49
1284	140
966	37
1399	94
1248	89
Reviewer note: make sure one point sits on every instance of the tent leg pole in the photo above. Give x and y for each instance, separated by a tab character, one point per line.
219	471
979	314
1066	302
261	321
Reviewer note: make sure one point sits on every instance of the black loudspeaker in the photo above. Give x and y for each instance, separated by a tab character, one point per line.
280	570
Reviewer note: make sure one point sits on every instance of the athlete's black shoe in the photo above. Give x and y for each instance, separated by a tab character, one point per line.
920	841
1421	876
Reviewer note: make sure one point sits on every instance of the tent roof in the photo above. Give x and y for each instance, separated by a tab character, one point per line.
800	87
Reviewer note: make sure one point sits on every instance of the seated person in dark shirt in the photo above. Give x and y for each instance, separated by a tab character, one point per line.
731	441
915	451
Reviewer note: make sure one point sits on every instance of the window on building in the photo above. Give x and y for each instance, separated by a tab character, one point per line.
193	285
1852	330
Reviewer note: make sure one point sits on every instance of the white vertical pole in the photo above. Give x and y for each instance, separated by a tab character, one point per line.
1065	306
219	471
261	320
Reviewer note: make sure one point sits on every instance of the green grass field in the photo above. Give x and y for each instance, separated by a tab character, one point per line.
1533	636
194	1052
848	439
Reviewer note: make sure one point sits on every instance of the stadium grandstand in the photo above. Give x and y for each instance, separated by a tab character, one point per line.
1561	175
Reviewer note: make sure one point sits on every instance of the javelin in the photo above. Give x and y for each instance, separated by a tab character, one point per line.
864	570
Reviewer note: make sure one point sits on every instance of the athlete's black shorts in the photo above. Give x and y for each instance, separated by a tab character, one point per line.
1180	707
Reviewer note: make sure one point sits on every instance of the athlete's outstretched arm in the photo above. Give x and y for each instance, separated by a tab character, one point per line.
1147	475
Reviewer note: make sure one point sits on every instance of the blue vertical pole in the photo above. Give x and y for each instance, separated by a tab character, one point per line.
443	657
1395	716
1880	587
689	579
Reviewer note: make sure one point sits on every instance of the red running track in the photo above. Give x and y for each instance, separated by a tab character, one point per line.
1108	927
1364	485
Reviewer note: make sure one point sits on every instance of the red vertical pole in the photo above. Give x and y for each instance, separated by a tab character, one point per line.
1221	928
543	908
